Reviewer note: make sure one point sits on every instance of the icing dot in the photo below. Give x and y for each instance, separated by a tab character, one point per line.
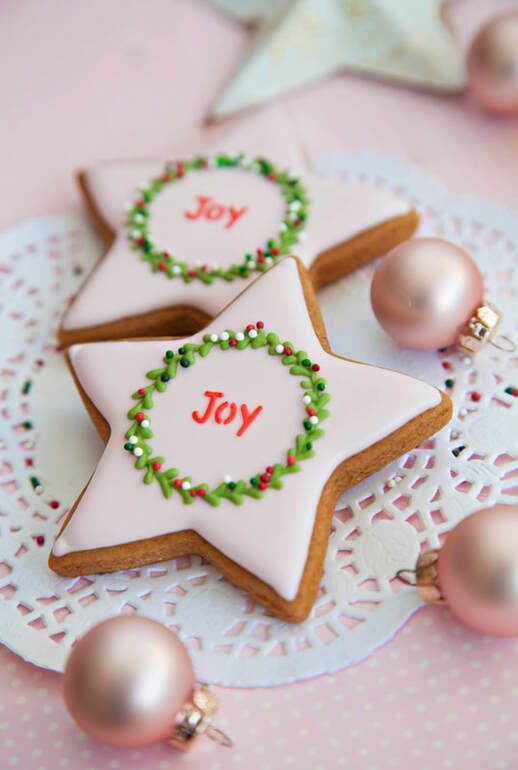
213	337
186	485
224	336
133	440
145	423
138	451
252	333
279	349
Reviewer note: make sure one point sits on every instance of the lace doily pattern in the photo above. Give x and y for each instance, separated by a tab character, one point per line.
48	449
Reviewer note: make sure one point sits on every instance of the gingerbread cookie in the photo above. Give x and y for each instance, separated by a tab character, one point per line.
187	236
235	444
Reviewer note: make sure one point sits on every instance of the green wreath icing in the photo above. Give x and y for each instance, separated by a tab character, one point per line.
279	245
314	400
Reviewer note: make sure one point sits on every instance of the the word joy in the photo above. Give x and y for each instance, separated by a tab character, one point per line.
226	412
207	208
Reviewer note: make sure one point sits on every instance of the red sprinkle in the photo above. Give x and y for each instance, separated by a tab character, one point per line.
260	325
316	367
475	396
515	392
40	539
260	253
250	327
310	411
276	251
446	365
157	466
192	273
266	477
140	240
291	460
29	462
193	493
297	222
202	492
140	203
269	469
162	266
262	485
232	343
54	504
139	416
271	177
287	350
165	178
141	392
261	260
178	483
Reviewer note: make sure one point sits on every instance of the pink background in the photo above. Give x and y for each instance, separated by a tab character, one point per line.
100	79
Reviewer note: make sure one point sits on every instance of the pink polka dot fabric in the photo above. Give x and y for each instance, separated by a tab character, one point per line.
438	696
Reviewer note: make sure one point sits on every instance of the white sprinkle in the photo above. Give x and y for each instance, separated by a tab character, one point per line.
252	333
213	337
211	162
463	412
268	261
313	420
128	206
279	349
133	440
251	265
136	233
294	205
227	479
144	423
240	336
283	227
224	336
138	451
186	484
391	483
307	399
466	360
139	218
176	269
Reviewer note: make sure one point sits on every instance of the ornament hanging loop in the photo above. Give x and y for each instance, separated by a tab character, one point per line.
403	575
502	342
196	719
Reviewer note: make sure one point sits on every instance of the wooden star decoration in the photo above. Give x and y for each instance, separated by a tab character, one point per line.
214	216
224	454
300	41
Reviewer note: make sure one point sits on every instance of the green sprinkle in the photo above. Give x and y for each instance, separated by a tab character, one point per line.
35	482
128	447
309	445
27	387
449	383
308	425
169	354
456	452
254	481
165	377
306	362
185	362
27	424
321	386
232	484
182	350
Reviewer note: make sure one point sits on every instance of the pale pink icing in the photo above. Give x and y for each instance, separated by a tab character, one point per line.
268	537
123	285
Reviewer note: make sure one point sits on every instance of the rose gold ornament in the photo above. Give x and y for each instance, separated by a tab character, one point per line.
476	571
427	293
129	682
492	65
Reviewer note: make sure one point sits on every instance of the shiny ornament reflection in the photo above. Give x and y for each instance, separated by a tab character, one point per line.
477	571
424	292
126	681
492	65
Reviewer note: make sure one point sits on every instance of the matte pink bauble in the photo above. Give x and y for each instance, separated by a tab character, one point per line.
477	570
492	65
424	292
126	680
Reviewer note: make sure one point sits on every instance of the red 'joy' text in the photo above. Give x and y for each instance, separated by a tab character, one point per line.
207	208
226	412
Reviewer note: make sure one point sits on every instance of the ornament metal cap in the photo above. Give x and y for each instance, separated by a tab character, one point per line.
481	329
196	719
424	577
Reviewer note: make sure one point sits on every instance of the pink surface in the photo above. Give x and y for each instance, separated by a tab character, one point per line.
85	81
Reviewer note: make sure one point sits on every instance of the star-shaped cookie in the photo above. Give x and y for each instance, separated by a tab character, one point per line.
187	236
235	444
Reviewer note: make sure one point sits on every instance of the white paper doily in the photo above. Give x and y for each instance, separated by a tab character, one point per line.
45	434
